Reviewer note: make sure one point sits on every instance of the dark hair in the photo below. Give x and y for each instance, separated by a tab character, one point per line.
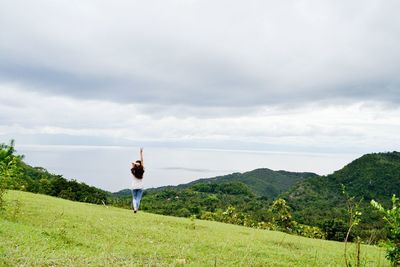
138	171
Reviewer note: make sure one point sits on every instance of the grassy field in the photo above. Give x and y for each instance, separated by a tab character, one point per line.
38	230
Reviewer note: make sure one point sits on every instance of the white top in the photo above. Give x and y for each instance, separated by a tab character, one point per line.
137	183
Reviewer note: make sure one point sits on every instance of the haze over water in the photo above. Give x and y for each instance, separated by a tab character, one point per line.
108	167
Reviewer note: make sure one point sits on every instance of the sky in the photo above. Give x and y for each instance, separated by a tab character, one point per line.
206	87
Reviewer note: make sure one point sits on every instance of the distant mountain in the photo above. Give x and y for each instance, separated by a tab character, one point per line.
373	176
123	193
263	182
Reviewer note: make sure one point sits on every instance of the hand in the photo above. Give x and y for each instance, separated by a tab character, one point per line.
141	150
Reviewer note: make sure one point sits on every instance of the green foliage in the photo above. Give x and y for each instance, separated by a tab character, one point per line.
392	219
8	169
230	215
320	198
281	214
335	229
231	188
282	220
201	200
262	182
353	212
306	230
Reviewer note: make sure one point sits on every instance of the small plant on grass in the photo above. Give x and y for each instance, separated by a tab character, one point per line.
2	193
192	222
16	210
354	213
392	219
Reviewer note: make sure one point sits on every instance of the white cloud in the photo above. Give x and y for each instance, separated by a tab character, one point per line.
314	126
204	53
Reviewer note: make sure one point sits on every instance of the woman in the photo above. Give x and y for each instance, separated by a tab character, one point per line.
137	183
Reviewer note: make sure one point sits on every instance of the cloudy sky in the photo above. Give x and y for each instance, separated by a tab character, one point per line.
206	87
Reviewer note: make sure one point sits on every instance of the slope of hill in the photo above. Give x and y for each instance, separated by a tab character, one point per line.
38	230
250	194
264	182
373	176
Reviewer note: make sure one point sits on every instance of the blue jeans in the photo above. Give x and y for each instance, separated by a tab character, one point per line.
136	197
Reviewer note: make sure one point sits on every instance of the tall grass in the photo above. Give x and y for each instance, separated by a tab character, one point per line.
47	231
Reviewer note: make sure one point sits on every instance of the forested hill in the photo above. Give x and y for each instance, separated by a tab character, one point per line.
373	176
263	182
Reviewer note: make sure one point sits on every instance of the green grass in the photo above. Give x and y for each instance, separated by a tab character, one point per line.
38	230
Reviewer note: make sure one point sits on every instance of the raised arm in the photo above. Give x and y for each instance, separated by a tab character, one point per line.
141	156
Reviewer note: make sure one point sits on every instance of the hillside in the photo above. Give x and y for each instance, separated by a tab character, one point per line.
373	176
263	182
314	200
38	230
249	194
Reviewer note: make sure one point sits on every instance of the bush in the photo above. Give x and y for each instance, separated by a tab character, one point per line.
307	231
392	219
267	226
9	170
212	216
183	212
335	230
281	214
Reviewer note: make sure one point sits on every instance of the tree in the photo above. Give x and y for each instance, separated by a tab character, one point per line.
9	169
281	214
353	210
335	229
392	219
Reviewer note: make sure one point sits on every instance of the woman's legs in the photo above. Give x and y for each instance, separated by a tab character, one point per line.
134	204
136	197
139	197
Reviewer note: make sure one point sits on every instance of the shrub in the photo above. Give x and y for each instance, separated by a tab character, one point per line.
307	231
281	214
392	219
335	230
